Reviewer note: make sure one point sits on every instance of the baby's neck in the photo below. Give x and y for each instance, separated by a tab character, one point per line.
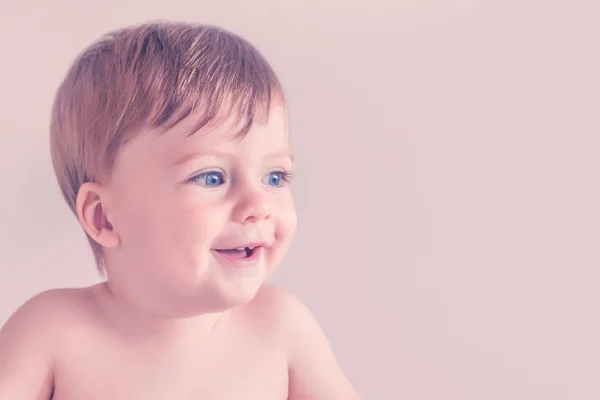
143	326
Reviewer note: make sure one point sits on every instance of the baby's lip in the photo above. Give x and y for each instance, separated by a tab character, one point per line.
243	245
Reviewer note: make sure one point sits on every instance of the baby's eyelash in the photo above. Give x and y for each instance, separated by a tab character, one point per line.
287	176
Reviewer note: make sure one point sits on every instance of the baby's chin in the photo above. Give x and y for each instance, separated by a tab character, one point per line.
212	302
213	294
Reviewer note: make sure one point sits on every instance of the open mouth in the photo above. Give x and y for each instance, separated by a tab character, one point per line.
241	253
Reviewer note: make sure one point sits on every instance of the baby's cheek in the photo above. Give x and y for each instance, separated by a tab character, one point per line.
191	234
198	226
138	227
288	221
285	230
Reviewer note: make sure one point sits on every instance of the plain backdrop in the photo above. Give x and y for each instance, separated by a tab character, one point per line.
447	180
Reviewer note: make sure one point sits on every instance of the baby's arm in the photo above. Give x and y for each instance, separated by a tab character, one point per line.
314	372
25	352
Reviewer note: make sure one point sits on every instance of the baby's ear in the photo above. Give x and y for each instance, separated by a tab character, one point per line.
92	215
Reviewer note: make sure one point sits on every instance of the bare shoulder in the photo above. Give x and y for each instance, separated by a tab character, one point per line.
44	317
42	310
50	307
275	302
313	368
282	311
28	342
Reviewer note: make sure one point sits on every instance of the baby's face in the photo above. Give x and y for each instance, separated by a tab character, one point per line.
202	219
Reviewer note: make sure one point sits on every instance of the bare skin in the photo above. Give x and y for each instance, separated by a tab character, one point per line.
191	226
67	345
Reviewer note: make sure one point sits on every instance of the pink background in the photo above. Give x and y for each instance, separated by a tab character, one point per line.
448	180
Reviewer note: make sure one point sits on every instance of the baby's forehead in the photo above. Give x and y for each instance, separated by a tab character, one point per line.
226	135
229	123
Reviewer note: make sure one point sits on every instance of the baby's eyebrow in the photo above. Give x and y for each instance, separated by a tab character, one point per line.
185	159
281	154
191	156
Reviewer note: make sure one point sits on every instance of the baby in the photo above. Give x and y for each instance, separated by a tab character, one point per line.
170	144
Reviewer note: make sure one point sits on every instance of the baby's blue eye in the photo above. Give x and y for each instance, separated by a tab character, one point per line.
277	178
209	179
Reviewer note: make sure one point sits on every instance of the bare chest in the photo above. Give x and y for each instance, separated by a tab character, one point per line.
237	370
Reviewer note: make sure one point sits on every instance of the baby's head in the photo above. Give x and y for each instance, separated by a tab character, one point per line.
171	146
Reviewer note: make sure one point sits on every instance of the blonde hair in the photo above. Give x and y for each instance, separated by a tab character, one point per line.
151	76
